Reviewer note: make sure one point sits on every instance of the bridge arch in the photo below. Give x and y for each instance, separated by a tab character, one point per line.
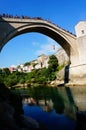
66	40
48	32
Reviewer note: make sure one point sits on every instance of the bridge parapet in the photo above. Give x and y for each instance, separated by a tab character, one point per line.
34	19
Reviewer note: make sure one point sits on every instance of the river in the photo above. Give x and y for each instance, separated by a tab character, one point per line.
52	120
62	104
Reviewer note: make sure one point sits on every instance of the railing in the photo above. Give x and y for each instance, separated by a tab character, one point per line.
28	17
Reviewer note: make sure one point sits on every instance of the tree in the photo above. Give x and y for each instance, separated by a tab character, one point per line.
0	71
52	67
27	64
6	71
53	63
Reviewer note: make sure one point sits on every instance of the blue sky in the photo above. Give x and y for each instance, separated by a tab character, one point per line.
27	47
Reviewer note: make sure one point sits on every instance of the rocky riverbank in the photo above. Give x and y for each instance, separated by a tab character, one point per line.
11	113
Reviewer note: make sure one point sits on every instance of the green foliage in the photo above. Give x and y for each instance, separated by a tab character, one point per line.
1	79
47	93
53	63
58	100
18	66
0	71
40	76
60	67
22	81
6	71
27	64
11	80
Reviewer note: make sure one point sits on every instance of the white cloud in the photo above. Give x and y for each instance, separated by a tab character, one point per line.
35	43
49	47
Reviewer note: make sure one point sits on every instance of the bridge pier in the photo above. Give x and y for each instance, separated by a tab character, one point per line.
77	70
77	74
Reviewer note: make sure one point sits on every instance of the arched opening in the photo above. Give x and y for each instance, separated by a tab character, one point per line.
26	47
50	46
49	32
59	38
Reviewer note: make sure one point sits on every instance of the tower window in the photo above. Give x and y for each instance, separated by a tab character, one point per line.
82	31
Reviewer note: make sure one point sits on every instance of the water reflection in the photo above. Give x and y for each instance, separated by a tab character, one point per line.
51	120
47	96
56	107
58	98
51	106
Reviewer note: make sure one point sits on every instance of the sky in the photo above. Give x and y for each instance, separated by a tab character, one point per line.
27	47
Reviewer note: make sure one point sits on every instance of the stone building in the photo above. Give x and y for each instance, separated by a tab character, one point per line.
80	29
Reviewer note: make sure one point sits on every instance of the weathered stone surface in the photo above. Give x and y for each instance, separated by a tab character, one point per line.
62	57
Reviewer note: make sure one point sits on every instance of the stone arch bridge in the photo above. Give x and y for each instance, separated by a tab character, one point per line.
12	27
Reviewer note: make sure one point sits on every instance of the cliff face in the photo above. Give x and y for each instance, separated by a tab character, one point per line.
62	57
60	54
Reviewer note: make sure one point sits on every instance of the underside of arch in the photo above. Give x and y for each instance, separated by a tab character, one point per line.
46	31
